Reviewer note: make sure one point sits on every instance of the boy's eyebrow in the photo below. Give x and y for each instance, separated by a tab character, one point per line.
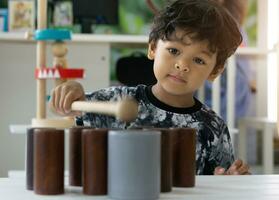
181	41
209	54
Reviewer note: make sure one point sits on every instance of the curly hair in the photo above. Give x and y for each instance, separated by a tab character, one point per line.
238	8
202	20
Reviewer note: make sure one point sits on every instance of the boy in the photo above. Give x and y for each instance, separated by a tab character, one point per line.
189	42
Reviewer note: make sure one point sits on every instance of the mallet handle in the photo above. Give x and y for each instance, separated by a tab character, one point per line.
108	108
124	110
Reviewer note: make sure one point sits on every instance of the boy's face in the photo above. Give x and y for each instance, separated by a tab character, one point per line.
181	65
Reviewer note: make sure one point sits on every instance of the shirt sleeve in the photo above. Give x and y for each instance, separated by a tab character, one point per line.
221	153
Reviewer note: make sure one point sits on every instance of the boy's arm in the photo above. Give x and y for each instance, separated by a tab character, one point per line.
236	167
218	144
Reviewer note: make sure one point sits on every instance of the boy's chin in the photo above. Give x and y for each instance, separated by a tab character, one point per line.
176	90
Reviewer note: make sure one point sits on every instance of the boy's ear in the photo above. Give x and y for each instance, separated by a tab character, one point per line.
151	51
215	73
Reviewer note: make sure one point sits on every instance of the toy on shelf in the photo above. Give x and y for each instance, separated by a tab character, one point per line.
60	70
59	51
58	73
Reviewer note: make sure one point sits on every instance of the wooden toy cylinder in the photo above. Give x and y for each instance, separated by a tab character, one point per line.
29	158
134	164
94	161
75	155
184	157
166	160
48	161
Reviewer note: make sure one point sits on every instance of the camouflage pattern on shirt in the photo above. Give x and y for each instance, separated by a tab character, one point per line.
213	143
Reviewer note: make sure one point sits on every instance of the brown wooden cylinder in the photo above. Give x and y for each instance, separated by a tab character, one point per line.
48	161
184	157
75	156
94	161
166	159
29	158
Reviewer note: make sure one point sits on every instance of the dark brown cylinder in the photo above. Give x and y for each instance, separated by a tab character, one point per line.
48	161
94	161
166	160
184	154
75	156
29	158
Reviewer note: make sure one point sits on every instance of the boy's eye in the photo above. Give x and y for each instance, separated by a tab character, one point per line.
199	61
173	51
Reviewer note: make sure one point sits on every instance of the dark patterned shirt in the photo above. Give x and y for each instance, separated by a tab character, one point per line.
213	146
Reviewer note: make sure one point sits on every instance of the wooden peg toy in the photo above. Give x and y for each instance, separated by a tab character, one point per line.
75	156
166	159
125	110
54	73
184	157
30	159
48	161
59	51
94	161
53	123
48	34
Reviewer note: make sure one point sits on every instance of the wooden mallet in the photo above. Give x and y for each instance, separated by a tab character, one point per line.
124	110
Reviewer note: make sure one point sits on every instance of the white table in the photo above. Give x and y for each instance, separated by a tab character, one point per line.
256	187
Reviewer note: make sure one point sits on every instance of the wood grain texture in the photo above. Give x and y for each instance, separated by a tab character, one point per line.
124	110
48	161
29	159
94	161
41	60
184	157
75	155
166	159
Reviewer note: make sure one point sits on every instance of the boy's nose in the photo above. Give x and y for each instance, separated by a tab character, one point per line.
181	68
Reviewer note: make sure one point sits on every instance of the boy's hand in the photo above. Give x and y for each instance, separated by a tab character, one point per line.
64	95
237	168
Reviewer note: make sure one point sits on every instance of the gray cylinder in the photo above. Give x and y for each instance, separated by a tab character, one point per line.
134	164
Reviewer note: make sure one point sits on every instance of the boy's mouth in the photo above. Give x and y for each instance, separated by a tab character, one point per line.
177	78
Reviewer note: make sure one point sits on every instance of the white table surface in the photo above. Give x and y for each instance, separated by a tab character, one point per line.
255	187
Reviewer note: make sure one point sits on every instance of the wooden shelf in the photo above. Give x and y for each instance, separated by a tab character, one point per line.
114	40
128	41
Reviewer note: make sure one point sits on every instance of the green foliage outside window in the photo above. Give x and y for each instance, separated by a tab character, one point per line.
3	3
250	24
